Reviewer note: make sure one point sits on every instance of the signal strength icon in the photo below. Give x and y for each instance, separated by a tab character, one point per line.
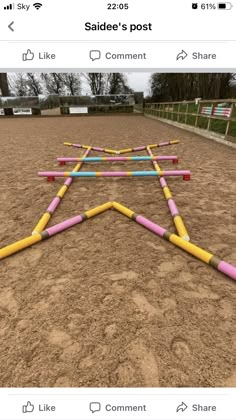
9	7
37	5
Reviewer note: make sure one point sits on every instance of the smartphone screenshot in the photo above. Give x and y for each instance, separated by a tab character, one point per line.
117	210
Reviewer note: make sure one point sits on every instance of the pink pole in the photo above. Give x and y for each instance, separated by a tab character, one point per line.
158	230
227	269
174	173
52	207
137	149
68	182
163	182
98	149
173	207
77	145
64	225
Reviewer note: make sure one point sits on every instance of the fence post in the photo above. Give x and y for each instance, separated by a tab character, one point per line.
161	111
209	123
198	111
186	114
178	113
228	123
209	118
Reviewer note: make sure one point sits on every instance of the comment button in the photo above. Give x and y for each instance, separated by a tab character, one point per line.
95	55
95	407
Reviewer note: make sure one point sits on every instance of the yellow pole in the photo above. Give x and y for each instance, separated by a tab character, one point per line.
125	151
98	210
192	249
151	146
113	152
42	223
18	246
124	210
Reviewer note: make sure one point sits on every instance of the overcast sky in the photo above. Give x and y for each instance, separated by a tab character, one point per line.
139	82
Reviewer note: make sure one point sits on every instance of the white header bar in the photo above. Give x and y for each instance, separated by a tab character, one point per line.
152	34
118	20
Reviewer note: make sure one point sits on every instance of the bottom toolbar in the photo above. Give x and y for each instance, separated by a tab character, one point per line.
121	403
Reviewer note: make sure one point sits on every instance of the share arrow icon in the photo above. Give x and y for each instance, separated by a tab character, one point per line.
182	407
182	55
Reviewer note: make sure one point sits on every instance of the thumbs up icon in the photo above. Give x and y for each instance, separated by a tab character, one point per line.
28	408
28	56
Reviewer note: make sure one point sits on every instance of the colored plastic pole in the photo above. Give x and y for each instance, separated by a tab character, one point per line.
97	149
138	149
117	159
19	245
129	150
165	143
113	174
220	265
42	223
60	227
117	152
177	219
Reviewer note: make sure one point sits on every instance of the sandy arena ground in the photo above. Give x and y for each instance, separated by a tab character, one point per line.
107	303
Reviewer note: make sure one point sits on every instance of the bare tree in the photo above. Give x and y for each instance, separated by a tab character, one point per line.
20	85
96	82
107	83
54	83
117	83
72	83
34	84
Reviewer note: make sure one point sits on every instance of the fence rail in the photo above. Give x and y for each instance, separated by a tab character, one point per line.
190	113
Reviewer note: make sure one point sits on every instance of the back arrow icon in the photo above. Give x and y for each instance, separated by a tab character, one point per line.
10	26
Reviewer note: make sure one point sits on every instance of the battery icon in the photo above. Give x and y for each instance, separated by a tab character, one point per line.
225	6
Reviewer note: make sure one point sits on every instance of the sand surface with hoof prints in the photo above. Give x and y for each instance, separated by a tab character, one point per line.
107	303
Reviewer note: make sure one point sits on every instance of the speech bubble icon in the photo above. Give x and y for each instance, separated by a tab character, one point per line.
95	55
94	407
